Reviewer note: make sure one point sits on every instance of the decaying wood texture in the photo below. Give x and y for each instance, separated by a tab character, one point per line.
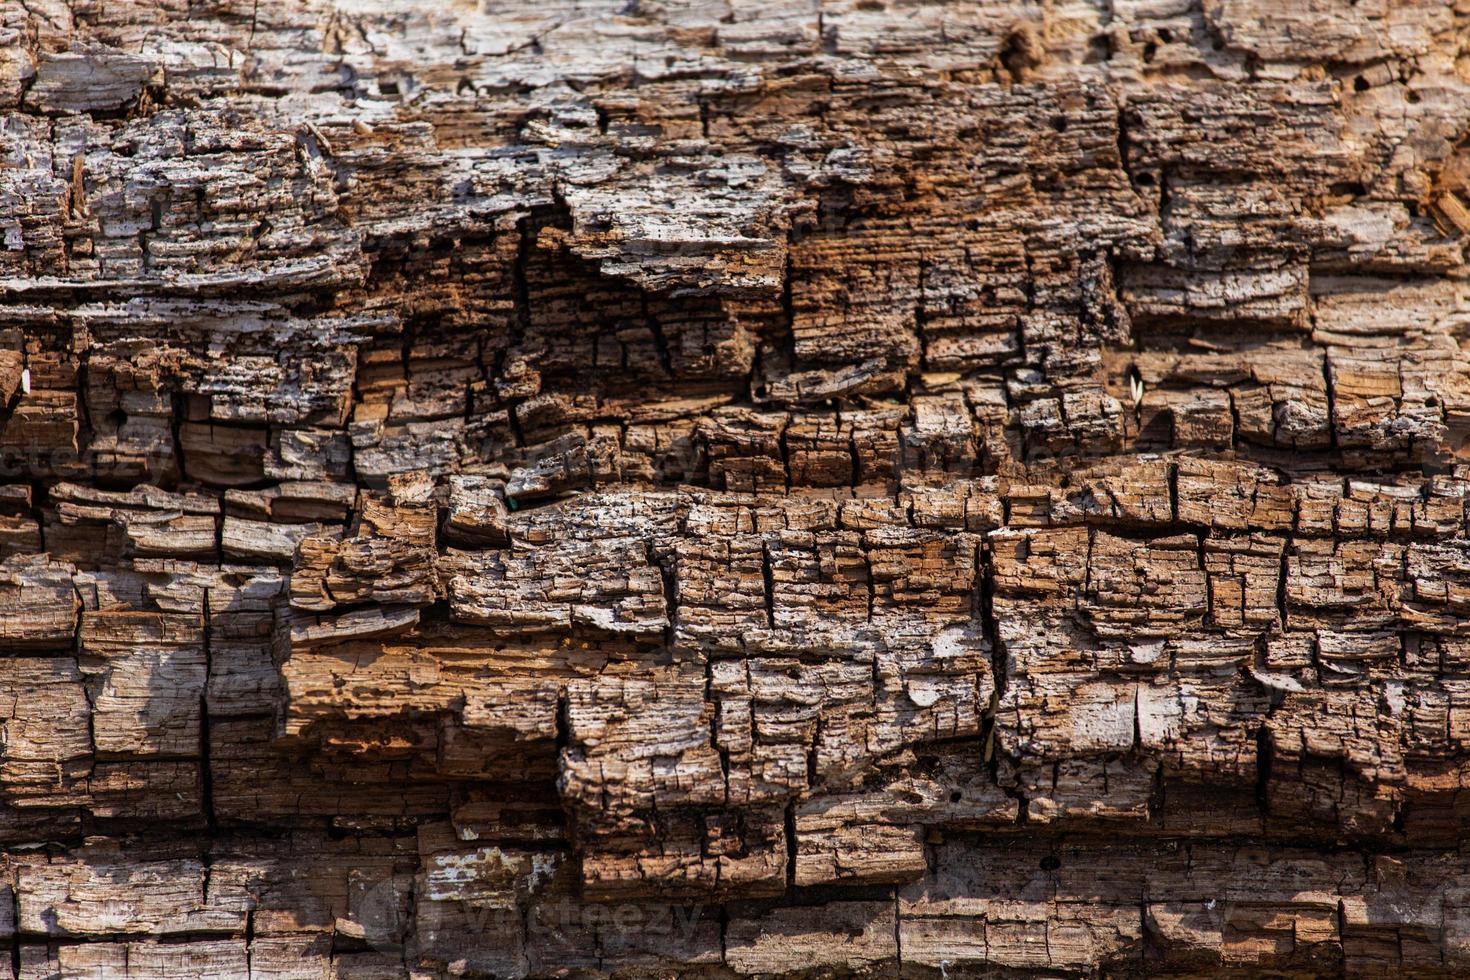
730	488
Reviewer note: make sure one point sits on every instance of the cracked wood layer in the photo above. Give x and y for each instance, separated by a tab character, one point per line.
716	488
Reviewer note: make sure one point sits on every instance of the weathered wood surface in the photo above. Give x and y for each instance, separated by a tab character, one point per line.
707	487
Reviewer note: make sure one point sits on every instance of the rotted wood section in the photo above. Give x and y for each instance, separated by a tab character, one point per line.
722	489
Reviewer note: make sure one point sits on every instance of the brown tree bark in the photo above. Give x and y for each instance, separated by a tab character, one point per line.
719	488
